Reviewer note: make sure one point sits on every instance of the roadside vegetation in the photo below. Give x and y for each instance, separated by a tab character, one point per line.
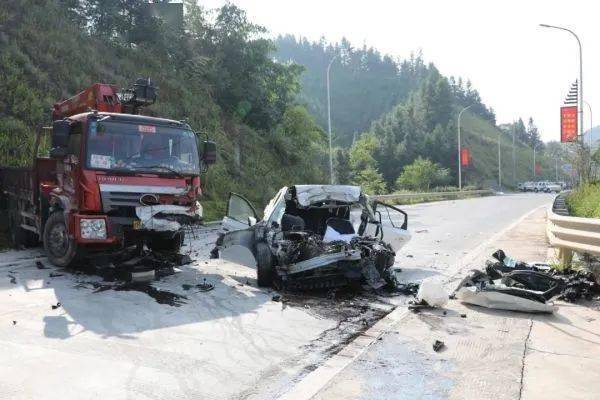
584	201
261	100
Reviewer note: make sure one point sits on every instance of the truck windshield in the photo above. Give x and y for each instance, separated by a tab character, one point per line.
141	148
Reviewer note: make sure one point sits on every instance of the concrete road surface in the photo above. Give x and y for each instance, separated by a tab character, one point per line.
232	342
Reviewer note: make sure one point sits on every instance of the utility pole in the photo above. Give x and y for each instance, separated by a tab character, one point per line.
556	168
459	147
329	122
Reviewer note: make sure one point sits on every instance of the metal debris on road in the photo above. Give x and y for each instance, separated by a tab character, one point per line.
509	284
40	265
55	306
438	345
13	280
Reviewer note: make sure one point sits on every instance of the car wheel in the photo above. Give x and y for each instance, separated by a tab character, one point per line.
264	265
165	241
536	190
60	249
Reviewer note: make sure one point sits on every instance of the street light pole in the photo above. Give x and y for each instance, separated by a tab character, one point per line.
459	147
534	173
591	125
580	86
329	122
499	162
514	157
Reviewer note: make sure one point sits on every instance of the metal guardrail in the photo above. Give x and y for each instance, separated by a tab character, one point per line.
570	234
435	195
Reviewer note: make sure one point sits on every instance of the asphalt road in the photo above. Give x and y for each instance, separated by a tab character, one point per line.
231	342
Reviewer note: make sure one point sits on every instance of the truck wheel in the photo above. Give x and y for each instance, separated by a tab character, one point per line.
165	241
264	265
60	249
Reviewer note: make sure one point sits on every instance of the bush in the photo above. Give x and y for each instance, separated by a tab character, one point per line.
422	175
585	201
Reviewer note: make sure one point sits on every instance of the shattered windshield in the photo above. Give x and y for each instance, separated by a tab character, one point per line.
141	148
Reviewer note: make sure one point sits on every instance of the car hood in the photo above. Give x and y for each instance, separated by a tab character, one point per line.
310	194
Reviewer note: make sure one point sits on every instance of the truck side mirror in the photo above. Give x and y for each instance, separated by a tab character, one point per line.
60	138
209	152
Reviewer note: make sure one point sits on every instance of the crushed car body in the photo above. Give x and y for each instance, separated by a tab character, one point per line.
315	236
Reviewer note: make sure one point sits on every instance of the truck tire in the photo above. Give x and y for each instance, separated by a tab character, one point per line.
264	265
165	241
60	249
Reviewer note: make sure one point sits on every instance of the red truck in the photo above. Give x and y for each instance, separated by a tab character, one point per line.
112	180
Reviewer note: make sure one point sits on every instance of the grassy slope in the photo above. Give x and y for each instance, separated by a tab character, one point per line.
482	140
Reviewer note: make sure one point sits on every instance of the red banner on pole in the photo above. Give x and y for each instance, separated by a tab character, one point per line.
568	124
465	157
538	169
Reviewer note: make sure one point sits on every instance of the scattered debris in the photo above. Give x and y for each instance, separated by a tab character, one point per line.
438	345
14	322
407	288
161	296
40	265
418	306
433	293
13	280
54	275
463	315
578	285
276	297
202	287
421	231
55	306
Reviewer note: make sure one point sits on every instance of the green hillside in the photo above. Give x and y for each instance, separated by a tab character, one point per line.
481	137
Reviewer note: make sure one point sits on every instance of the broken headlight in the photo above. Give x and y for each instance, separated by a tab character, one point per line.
93	228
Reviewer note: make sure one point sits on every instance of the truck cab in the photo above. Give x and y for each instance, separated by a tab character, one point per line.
112	180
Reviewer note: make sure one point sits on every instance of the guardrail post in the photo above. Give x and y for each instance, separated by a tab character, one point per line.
566	257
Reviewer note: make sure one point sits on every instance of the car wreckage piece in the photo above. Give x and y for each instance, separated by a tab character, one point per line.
315	236
505	287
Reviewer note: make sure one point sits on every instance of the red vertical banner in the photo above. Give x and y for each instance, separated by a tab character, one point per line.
568	124
538	169
465	157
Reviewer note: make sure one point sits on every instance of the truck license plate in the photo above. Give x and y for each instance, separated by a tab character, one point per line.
137	224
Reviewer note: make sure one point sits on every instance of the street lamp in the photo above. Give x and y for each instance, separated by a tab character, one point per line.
580	73
591	125
534	149
499	162
329	121
459	147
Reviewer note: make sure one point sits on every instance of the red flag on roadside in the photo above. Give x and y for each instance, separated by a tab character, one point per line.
465	157
538	169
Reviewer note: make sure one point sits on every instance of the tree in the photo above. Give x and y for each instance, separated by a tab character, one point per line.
422	175
370	180
533	136
342	167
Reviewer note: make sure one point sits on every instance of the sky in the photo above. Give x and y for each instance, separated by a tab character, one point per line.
519	69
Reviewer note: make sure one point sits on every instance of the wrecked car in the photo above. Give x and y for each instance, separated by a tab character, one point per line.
315	236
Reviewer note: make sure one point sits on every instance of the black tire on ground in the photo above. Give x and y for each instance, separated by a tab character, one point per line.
60	249
264	265
165	241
